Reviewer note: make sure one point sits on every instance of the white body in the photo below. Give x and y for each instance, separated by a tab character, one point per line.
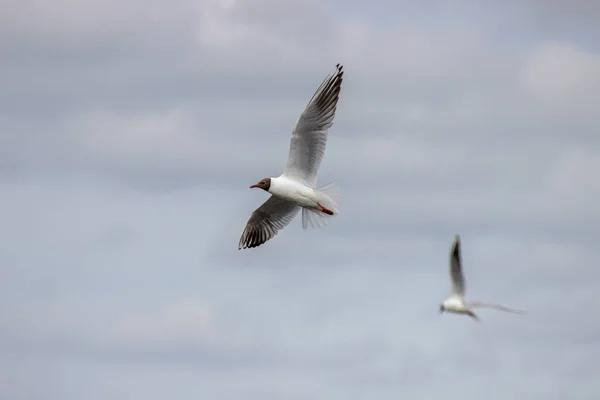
455	304
294	192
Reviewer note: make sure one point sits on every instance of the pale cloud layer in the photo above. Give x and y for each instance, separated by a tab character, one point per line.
130	132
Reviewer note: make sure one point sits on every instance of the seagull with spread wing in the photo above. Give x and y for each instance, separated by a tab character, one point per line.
457	303
295	188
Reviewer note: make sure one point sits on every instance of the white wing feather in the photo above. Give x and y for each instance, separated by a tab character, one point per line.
479	304
309	139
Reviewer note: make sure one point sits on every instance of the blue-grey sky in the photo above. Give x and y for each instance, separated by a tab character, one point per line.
130	132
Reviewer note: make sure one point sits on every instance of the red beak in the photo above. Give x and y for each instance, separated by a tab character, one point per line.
253	186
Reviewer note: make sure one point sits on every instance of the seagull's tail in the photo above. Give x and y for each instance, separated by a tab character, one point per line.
329	200
330	196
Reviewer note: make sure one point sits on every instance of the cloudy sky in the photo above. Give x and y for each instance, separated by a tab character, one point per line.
130	132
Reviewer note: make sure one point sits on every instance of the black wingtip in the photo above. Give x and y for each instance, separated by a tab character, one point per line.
456	246
251	240
339	70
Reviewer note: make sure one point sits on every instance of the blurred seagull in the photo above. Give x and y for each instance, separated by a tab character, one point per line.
295	188
457	303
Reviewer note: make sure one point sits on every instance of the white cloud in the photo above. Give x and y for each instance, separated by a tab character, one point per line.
72	22
562	72
182	321
166	136
575	176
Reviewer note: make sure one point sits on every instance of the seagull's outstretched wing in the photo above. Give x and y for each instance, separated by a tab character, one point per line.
268	219
480	304
456	274
309	138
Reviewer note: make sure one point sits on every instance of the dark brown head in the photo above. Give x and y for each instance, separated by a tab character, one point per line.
264	184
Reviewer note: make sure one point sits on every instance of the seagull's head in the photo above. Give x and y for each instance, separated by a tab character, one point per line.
442	308
263	184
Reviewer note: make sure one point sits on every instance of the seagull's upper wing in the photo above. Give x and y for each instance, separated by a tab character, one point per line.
476	304
309	138
268	219
458	279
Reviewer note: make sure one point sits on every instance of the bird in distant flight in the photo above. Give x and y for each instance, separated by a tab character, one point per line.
456	303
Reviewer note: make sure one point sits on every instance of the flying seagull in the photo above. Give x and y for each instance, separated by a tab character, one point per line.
295	188
457	303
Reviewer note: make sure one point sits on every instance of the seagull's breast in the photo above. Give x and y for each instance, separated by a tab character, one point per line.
293	191
454	304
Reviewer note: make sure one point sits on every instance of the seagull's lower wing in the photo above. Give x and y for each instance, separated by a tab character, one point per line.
479	304
266	221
